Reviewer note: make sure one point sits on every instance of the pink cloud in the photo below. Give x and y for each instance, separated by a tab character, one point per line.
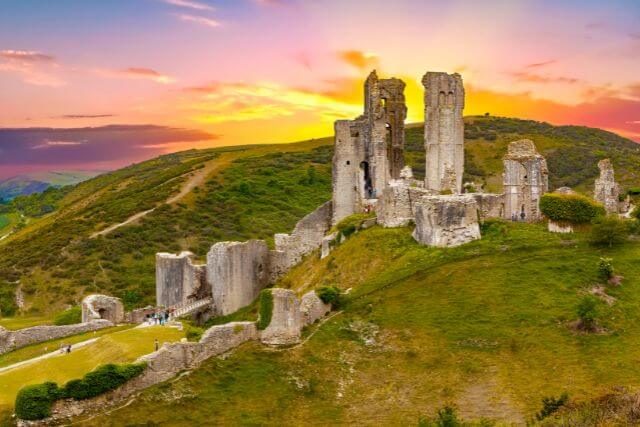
201	20
189	4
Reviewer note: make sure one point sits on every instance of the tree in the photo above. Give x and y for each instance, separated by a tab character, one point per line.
587	311
609	231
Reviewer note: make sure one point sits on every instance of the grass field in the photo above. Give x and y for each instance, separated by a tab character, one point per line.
486	326
118	347
20	322
4	221
36	350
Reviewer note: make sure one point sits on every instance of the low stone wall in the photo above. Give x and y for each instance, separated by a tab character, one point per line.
162	365
13	340
556	227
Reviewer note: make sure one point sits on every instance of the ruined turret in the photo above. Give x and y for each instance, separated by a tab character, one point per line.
369	151
525	180
606	189
443	131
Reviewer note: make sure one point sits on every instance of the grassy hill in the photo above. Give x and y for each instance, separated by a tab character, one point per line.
488	327
249	192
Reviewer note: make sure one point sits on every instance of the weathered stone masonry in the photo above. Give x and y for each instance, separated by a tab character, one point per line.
178	279
606	189
368	151
443	131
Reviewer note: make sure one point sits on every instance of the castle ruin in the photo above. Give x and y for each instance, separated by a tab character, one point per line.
606	189
443	131
369	151
369	175
526	179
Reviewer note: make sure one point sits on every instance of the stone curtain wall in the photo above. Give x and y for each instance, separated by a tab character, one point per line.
237	272
13	340
443	131
306	236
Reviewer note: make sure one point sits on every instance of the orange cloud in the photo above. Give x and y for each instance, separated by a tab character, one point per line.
358	59
537	78
147	73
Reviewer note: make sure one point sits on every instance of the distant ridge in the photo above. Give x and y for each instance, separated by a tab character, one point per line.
38	182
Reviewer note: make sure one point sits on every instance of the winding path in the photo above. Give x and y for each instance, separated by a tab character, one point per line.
198	177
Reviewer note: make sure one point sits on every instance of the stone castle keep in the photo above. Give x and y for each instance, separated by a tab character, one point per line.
369	174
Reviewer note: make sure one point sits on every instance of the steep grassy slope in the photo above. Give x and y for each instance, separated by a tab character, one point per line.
487	327
251	192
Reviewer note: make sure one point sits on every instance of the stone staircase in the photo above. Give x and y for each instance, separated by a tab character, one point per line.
189	307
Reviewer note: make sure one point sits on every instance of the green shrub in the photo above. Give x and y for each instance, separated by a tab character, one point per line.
33	402
193	333
329	295
493	227
445	417
351	224
572	208
605	267
634	191
636	213
69	317
99	381
551	405
609	231
587	311
266	309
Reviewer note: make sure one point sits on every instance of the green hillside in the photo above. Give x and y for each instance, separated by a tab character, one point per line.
248	192
487	327
36	182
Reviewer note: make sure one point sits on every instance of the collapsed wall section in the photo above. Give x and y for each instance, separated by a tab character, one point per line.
306	236
606	189
96	307
237	272
446	221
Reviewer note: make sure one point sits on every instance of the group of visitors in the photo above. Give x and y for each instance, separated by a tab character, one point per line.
158	318
514	216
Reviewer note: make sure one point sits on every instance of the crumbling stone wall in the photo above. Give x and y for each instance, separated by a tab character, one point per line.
306	236
448	221
606	189
286	320
178	279
395	207
96	307
489	205
525	180
369	150
237	272
162	365
13	340
443	131
312	308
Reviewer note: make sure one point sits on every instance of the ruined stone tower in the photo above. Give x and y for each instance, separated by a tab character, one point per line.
443	131
525	180
369	150
606	189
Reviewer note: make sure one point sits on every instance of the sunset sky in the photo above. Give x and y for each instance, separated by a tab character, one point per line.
167	75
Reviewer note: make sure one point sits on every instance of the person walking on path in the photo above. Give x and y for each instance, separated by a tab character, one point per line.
156	342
